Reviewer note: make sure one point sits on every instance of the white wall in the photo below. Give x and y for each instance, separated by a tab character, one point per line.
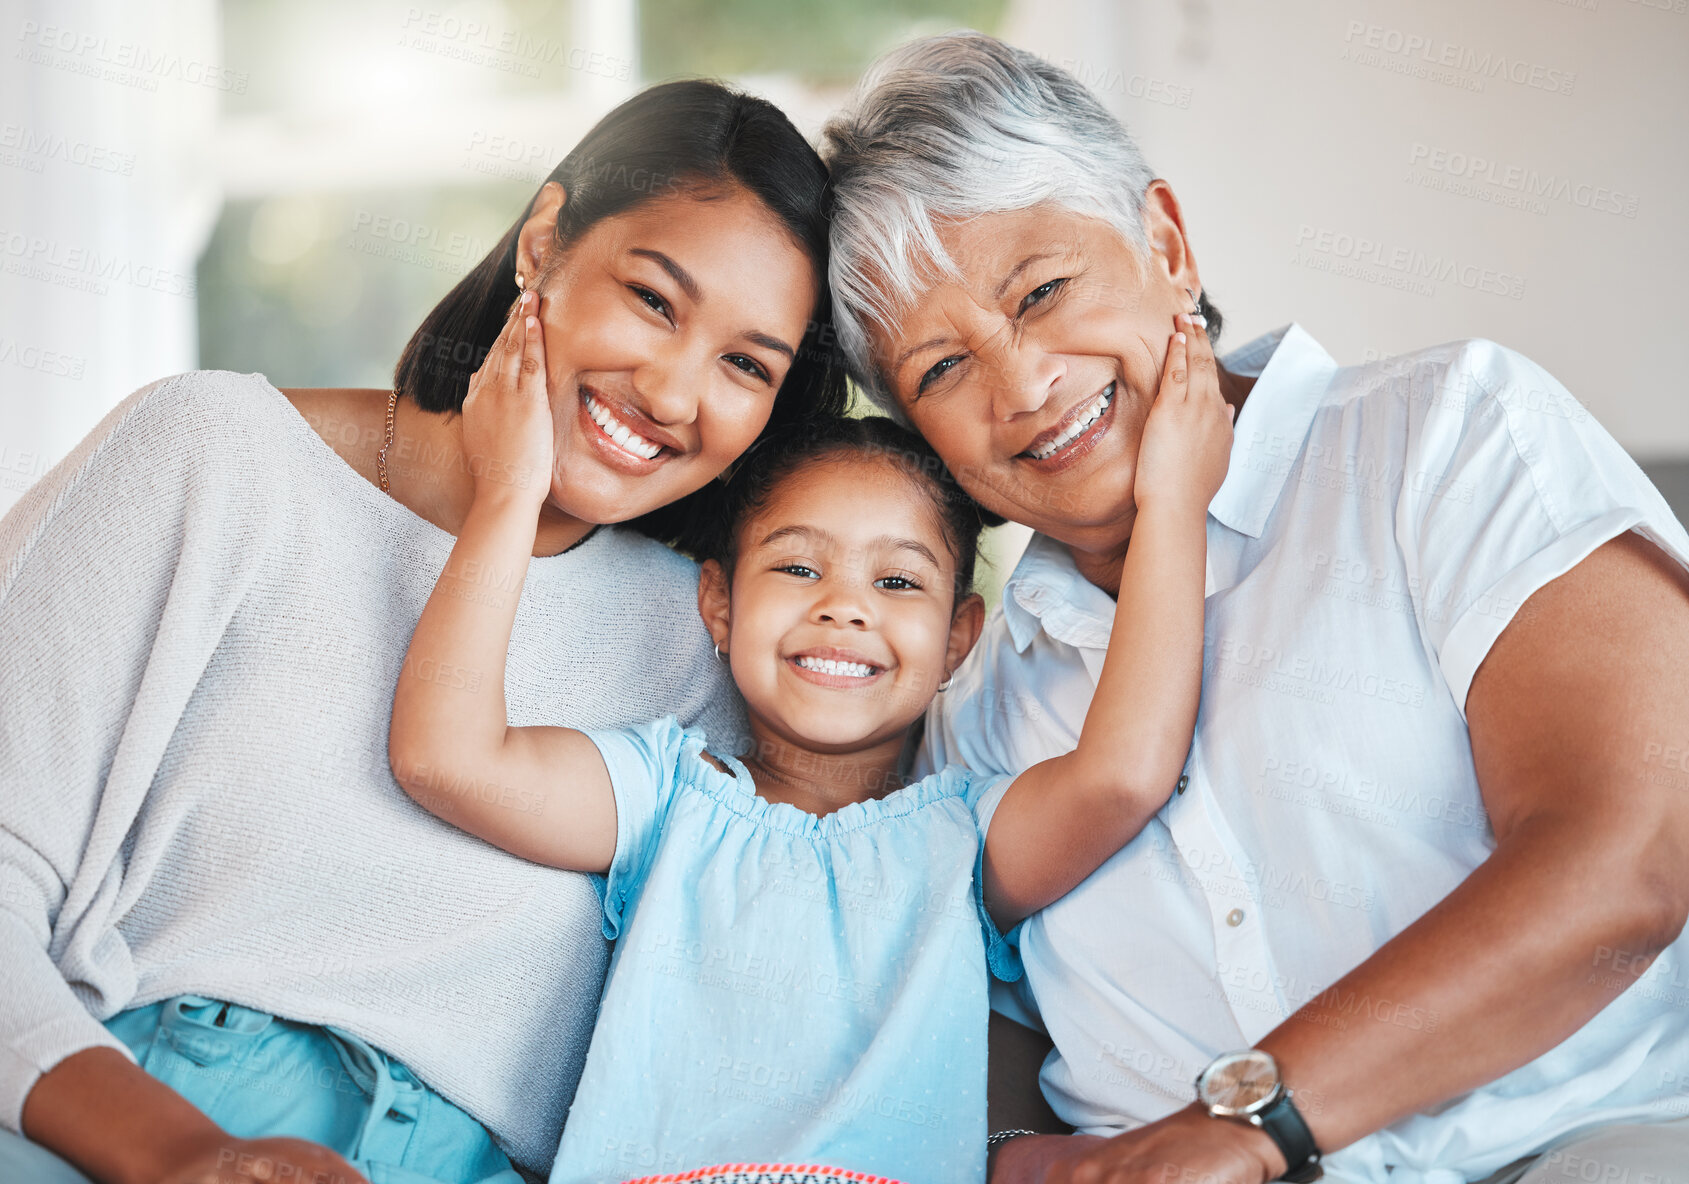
1287	152
114	157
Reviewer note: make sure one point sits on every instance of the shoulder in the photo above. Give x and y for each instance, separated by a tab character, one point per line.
645	585
1455	381
182	447
349	420
203	424
623	548
201	418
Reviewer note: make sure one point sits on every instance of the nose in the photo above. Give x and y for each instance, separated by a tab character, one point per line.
668	386
1023	376
841	603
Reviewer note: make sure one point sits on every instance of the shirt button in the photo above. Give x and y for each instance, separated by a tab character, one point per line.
1234	918
1184	780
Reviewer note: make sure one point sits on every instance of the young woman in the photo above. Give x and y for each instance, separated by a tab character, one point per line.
205	865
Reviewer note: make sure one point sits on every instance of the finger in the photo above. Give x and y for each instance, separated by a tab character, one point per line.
514	338
533	351
1205	371
1175	372
497	351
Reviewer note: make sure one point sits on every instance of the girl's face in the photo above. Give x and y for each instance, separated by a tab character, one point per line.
840	626
668	331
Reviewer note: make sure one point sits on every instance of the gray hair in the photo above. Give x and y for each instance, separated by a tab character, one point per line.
953	127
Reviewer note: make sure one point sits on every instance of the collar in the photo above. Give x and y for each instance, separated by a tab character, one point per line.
1291	372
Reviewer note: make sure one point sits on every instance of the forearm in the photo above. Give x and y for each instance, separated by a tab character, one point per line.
449	707
1435	1013
1066	815
1139	724
107	1116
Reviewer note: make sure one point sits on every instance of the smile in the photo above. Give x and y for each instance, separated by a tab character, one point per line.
1088	416
618	433
840	669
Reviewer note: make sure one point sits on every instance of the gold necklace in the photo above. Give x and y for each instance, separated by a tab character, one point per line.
381	457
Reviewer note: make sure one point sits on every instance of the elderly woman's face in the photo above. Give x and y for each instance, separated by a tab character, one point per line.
1033	375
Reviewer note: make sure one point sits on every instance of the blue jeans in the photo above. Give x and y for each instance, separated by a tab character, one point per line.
256	1075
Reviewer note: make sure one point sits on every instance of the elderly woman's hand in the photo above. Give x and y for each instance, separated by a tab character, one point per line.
507	425
1188	1147
1187	439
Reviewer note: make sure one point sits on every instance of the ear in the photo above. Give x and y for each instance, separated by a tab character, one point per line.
965	626
713	602
539	231
1170	253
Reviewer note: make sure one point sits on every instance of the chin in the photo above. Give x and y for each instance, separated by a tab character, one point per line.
591	502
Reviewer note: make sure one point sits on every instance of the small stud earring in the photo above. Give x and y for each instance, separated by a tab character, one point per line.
521	282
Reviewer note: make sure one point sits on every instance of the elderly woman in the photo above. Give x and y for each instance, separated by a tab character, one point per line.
1414	907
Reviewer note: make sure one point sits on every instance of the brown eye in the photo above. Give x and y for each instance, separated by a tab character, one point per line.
652	301
749	365
1038	294
938	371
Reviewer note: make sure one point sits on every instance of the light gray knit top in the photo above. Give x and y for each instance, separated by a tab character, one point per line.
203	611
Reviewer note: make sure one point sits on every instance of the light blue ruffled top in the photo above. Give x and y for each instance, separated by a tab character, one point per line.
787	988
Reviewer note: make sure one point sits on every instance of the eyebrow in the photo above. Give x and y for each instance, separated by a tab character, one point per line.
677	273
696	294
817	535
995	296
773	343
915	349
1020	267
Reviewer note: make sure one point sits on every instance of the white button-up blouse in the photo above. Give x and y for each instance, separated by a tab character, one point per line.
1376	530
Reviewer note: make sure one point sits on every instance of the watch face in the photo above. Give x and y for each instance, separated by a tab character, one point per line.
1239	1083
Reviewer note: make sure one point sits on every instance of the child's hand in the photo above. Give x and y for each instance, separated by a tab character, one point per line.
507	424
1187	439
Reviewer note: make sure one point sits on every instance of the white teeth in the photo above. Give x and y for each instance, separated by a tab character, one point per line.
623	436
828	666
1077	428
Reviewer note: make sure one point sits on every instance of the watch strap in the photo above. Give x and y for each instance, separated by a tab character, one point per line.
1284	1125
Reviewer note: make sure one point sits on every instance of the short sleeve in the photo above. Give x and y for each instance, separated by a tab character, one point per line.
1508	482
983	794
645	763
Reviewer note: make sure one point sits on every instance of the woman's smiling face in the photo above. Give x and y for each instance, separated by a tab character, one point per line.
1033	374
668	331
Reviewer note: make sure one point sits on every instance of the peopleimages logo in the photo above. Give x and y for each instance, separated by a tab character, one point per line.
128	62
1431	165
1436	60
1347	253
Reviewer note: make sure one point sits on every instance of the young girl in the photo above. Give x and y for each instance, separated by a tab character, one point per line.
803	939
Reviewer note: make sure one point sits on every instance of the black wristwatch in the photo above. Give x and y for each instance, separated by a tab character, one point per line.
1246	1087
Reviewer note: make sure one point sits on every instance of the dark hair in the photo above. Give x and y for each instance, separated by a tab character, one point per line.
752	482
666	141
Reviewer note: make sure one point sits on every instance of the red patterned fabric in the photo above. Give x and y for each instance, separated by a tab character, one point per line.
763	1173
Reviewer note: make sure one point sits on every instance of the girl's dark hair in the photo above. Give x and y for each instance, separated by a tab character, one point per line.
752	482
668	140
